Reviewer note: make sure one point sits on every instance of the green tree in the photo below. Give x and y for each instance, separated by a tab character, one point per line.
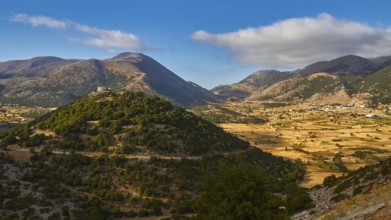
102	140
237	193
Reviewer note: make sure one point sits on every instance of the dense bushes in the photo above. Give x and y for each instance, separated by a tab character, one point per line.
237	193
242	192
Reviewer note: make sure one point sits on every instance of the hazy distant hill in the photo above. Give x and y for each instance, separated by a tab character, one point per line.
341	77
51	81
256	81
30	68
299	89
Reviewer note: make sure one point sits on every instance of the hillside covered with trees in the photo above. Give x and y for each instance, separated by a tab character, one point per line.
131	122
378	84
132	155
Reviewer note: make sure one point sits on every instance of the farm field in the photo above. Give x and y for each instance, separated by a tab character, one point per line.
326	139
20	114
14	115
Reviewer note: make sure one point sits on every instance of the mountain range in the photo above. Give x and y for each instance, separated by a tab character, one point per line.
52	81
337	79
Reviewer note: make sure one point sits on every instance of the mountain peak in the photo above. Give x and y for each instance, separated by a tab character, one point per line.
350	64
54	77
259	75
257	80
129	56
350	59
349	56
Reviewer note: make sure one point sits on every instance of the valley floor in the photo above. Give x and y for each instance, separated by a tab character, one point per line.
326	139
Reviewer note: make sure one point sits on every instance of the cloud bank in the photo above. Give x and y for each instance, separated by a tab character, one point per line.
108	39
299	41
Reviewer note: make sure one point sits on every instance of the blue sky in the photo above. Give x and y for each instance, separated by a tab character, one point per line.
207	42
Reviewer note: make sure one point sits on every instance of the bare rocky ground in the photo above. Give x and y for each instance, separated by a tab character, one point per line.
374	202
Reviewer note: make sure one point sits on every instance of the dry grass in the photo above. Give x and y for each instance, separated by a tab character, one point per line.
23	156
44	132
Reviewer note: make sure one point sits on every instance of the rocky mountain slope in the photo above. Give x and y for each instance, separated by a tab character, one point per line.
379	85
340	78
51	81
361	194
256	81
30	68
315	86
131	155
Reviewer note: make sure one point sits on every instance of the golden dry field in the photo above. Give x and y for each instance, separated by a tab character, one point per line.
327	139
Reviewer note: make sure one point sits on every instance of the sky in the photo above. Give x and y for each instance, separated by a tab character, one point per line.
208	42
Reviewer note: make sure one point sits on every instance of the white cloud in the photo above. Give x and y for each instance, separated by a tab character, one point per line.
110	39
39	21
299	41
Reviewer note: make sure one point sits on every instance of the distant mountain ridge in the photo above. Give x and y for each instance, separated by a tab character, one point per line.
349	64
344	76
299	89
53	81
256	81
32	67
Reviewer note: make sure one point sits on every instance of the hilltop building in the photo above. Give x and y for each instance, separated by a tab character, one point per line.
102	89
